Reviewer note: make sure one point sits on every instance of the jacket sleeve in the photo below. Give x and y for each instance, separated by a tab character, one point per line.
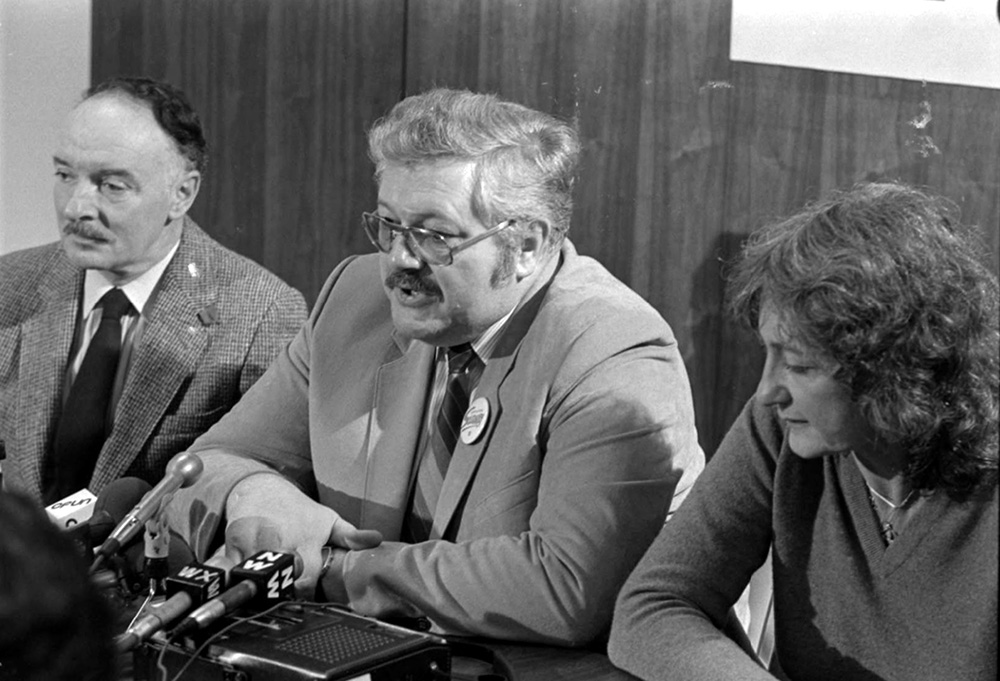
615	443
670	614
266	431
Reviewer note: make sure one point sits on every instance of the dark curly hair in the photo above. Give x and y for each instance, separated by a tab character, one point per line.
885	281
171	109
54	624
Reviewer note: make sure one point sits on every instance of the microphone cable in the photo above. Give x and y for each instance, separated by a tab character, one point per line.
196	653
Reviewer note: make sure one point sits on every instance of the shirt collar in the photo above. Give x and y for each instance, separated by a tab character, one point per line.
97	282
487	341
484	345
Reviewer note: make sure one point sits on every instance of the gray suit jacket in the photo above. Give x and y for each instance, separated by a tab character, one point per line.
217	322
590	434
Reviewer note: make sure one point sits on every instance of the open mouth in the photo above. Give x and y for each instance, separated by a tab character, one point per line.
411	287
414	296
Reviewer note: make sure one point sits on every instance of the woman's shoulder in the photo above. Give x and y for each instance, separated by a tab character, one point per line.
757	428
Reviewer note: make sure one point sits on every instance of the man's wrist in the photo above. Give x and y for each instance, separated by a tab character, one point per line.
235	492
330	586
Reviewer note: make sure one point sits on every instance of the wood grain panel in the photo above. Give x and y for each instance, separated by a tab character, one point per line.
333	68
285	91
576	59
686	147
685	151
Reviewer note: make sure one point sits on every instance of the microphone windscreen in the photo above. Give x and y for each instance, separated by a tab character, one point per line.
113	504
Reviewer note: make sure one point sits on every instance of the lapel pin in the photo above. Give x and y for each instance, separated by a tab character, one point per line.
475	420
209	314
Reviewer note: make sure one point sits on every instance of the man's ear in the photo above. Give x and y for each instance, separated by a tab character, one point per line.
185	190
533	242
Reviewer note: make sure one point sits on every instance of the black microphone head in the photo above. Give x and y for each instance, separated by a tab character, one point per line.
273	574
259	581
113	503
202	582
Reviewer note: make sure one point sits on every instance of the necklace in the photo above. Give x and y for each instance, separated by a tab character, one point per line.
888	503
888	530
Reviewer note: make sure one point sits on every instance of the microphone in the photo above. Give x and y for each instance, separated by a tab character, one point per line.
73	510
113	503
192	586
138	568
88	520
182	470
72	515
156	545
263	578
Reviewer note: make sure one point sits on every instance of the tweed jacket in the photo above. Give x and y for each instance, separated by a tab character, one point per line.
590	432
217	322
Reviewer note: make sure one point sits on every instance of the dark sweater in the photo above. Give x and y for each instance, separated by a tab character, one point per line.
846	607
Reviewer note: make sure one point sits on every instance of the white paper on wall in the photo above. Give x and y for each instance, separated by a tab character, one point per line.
940	41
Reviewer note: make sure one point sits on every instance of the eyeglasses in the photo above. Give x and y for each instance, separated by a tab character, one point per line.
431	247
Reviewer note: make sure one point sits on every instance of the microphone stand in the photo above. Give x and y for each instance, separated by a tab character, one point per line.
157	548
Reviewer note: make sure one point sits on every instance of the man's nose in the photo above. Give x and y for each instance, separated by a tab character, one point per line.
400	253
81	203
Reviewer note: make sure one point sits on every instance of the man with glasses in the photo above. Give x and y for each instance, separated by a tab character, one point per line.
478	427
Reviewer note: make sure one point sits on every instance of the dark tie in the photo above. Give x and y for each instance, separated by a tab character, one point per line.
80	433
464	369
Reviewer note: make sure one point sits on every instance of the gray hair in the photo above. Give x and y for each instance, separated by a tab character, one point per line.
525	160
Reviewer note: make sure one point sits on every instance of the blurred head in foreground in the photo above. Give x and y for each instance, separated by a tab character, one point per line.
54	624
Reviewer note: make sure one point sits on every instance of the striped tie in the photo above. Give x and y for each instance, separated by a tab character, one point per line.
464	369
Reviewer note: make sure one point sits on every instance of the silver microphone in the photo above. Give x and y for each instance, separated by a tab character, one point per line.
182	471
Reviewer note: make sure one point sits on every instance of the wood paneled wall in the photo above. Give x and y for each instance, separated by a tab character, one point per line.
685	151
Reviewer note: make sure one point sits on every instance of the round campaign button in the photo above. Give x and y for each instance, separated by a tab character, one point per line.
475	420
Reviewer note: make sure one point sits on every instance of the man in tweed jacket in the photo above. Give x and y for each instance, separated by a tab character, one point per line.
208	321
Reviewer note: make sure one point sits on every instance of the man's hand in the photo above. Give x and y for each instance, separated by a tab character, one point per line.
267	512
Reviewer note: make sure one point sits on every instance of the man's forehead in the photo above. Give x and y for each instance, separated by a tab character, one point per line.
427	188
115	130
112	106
430	170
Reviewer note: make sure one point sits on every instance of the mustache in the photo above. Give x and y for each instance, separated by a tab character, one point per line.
85	229
411	280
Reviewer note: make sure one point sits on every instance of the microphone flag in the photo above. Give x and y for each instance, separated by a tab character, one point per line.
72	510
261	580
192	586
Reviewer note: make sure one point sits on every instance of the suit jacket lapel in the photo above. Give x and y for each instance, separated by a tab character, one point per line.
394	436
173	340
46	341
466	457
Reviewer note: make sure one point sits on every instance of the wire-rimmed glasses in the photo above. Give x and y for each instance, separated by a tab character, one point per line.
430	246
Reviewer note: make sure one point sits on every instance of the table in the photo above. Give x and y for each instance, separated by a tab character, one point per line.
543	663
518	662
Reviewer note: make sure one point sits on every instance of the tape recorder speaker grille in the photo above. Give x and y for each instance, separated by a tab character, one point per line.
335	644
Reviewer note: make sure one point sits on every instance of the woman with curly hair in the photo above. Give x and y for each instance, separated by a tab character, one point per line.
866	461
